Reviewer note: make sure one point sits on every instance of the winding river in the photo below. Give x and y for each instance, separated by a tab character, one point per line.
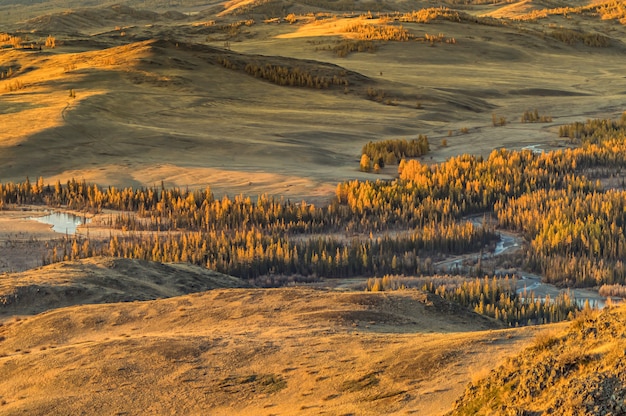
532	282
66	223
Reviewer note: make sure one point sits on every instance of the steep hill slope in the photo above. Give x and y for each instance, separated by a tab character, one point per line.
581	371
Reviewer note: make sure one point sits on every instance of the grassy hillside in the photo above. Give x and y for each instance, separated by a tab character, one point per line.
251	352
251	97
578	371
103	280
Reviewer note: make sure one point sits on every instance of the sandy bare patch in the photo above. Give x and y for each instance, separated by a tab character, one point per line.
23	242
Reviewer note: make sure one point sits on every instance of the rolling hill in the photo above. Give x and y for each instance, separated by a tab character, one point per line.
252	351
103	280
242	97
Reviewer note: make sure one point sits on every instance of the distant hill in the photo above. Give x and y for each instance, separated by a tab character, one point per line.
90	19
14	11
103	280
581	371
152	88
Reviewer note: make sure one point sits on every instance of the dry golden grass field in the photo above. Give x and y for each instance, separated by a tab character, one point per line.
265	96
225	351
129	97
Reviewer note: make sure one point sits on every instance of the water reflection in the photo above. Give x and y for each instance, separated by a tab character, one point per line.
62	222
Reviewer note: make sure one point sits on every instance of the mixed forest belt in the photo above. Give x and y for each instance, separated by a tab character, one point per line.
573	224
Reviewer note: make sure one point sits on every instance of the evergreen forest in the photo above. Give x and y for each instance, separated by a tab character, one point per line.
568	204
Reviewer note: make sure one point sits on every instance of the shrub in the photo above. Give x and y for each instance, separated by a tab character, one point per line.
50	42
498	121
572	37
366	163
534	117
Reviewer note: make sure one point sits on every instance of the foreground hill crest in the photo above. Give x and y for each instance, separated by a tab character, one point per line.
103	280
581	371
291	350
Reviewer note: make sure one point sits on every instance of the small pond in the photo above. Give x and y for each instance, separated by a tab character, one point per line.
62	222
